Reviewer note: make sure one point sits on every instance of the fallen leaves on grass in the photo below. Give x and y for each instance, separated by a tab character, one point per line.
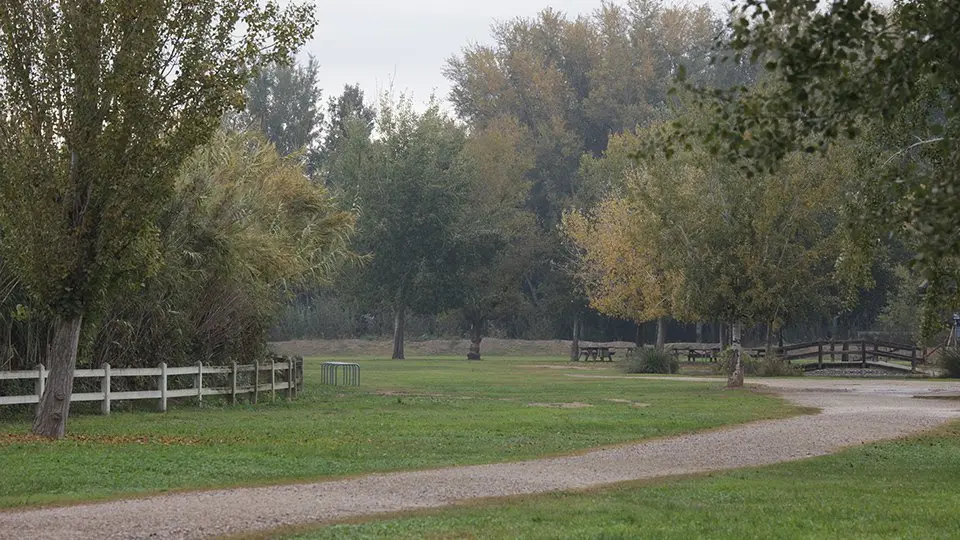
21	438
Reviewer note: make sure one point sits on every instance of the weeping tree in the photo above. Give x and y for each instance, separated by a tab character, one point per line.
245	228
100	103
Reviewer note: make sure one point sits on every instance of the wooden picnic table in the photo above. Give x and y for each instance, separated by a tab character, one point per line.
599	353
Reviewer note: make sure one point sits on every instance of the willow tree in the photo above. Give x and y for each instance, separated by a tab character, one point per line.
100	103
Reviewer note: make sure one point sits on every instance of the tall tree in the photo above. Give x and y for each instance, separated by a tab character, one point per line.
100	103
283	103
410	192
495	230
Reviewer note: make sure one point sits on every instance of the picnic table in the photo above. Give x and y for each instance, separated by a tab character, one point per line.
599	353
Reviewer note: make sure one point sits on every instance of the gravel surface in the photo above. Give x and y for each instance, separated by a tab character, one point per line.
853	412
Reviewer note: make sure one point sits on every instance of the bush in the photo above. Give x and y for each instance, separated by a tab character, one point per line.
651	361
949	363
768	367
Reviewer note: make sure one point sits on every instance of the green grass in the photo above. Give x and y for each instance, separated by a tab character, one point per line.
901	489
407	415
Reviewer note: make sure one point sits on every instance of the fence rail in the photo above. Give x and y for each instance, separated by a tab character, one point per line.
285	376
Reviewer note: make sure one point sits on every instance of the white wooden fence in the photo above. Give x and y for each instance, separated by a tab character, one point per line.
286	377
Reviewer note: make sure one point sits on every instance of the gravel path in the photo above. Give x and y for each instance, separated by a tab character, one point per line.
853	412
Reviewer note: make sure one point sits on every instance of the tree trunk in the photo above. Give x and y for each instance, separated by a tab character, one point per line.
639	341
769	345
699	332
54	406
476	336
661	332
736	374
575	343
399	324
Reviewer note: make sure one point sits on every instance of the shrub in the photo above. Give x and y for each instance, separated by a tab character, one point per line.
651	361
949	363
768	367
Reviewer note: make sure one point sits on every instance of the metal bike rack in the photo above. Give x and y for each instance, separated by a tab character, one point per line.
337	373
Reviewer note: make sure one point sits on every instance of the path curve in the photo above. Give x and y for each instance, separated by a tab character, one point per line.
853	412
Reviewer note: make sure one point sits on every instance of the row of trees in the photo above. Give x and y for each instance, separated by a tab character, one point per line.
533	212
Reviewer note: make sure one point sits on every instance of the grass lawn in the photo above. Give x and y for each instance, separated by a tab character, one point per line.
901	489
407	414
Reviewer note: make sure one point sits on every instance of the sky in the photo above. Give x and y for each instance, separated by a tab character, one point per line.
402	45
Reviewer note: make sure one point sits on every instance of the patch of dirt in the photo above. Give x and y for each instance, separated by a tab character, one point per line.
437	347
634	404
570	405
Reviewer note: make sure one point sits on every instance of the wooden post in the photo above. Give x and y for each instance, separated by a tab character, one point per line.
876	350
290	378
833	347
105	388
913	359
163	387
844	357
273	379
41	382
863	354
199	383
820	354
233	384
256	381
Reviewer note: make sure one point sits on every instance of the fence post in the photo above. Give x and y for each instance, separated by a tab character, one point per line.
844	356
41	382
913	359
163	387
876	350
833	348
273	379
819	354
299	374
233	384
256	381
199	383
863	354
290	377
105	388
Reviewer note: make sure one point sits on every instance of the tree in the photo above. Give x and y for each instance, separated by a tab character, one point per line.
283	103
244	229
571	83
101	103
410	192
836	72
495	230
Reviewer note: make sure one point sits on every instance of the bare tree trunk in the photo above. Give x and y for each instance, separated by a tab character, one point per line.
575	343
476	336
769	345
54	406
661	332
736	374
699	332
399	324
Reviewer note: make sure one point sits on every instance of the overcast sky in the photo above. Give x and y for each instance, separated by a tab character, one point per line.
403	44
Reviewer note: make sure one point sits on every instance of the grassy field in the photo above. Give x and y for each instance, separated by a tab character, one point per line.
901	489
407	414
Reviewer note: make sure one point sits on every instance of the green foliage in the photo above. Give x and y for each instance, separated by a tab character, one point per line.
95	122
282	102
245	229
855	70
338	431
949	362
651	361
